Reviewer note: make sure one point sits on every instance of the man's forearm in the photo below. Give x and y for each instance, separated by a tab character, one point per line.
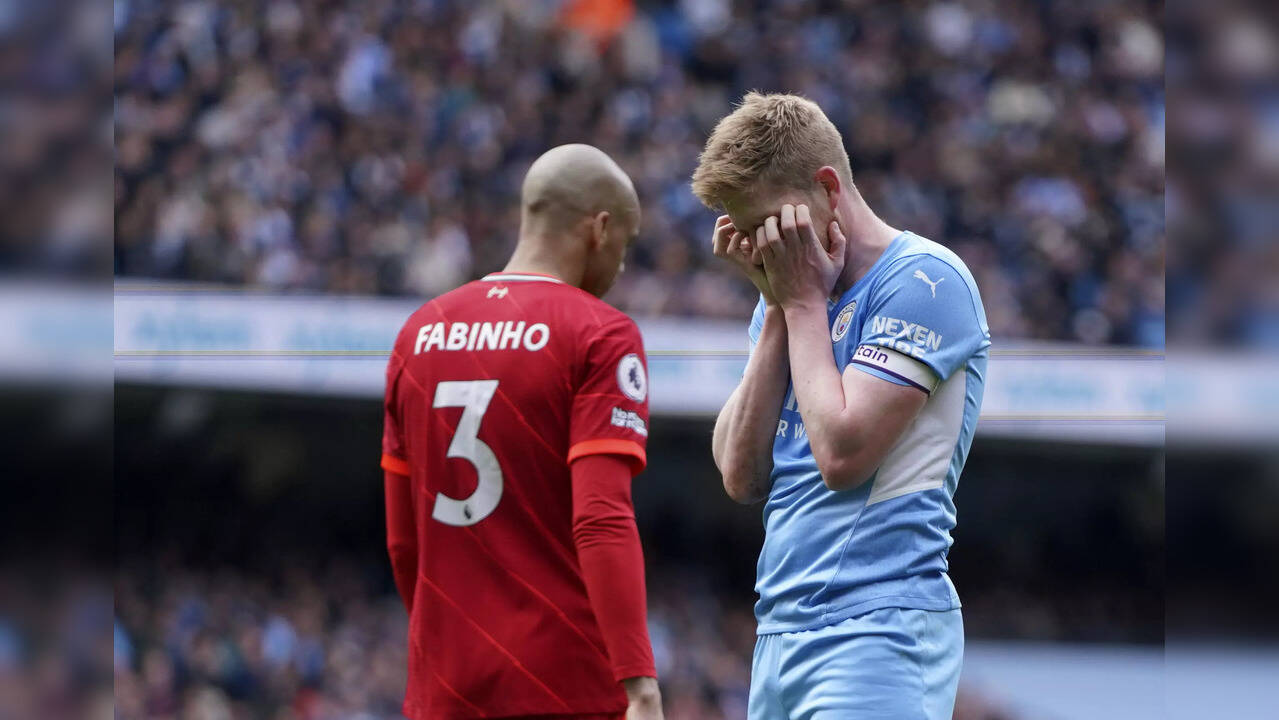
744	431
819	391
612	561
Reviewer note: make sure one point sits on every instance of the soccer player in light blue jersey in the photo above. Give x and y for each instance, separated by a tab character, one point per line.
852	420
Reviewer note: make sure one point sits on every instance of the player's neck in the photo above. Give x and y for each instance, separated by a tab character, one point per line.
868	237
530	260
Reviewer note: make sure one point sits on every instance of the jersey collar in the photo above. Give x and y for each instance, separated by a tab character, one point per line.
521	277
889	254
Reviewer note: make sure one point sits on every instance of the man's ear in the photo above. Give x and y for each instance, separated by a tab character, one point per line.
828	178
599	229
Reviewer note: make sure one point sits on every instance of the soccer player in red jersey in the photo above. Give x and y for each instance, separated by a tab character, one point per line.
516	417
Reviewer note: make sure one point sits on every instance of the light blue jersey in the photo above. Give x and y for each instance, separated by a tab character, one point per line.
917	319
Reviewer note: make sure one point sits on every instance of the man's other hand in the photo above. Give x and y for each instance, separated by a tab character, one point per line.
643	698
737	247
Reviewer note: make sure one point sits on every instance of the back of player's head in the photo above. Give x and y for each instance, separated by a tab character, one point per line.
578	213
571	182
779	140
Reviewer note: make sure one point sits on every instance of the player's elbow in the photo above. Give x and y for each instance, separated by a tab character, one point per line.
741	478
842	471
743	488
598	530
840	475
719	457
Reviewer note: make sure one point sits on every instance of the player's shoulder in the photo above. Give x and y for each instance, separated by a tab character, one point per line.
589	314
924	265
919	251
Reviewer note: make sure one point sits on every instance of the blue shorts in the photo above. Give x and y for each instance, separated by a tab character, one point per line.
887	664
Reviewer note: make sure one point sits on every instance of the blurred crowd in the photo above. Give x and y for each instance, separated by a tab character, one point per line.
1223	254
229	645
55	646
377	146
226	644
55	90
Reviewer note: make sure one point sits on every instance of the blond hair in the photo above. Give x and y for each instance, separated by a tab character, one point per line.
779	139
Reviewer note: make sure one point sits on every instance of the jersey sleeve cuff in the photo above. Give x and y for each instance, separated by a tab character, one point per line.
626	672
611	446
390	463
898	365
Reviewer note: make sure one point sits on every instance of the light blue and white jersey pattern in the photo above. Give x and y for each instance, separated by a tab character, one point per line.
916	319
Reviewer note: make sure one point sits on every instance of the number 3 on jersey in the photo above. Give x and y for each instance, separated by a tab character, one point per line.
473	396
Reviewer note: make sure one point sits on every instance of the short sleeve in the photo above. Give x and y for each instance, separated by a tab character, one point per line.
757	323
610	403
394	457
922	324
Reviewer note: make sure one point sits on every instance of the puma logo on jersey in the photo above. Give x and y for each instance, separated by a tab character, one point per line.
498	291
931	285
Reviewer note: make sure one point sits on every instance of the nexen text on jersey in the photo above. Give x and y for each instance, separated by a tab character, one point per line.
897	330
481	336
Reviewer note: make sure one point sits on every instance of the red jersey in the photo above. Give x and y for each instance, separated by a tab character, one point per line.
492	390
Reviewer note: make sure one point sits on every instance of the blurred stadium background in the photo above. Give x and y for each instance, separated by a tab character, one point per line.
316	154
293	177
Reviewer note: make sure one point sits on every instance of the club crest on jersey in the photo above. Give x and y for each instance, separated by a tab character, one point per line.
843	321
631	378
